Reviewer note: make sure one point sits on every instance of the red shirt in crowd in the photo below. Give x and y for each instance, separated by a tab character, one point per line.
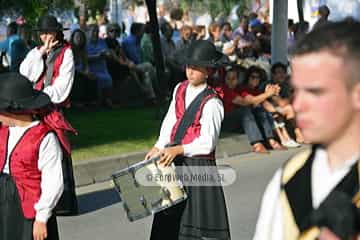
229	96
244	91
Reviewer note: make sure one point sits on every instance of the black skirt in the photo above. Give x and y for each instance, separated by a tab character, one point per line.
67	205
203	215
13	224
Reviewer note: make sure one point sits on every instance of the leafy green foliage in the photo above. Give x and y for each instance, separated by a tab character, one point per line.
94	5
32	9
214	7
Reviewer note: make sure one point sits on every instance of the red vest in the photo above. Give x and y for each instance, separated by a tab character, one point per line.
56	70
194	130
24	165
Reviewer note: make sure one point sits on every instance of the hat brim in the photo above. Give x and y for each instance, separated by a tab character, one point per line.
181	58
39	100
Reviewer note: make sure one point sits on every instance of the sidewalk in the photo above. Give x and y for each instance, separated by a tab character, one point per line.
99	170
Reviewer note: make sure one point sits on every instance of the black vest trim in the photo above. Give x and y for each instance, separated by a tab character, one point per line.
298	190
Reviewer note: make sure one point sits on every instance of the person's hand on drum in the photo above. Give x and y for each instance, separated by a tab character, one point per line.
167	155
152	153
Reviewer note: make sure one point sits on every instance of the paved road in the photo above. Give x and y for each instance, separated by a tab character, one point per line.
102	216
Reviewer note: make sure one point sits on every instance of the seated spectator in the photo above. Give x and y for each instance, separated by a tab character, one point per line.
97	51
176	73
132	49
167	44
230	44
281	105
176	22
243	110
199	32
185	38
215	35
120	67
84	89
117	62
262	44
147	50
131	43
253	21
246	38
226	32
259	100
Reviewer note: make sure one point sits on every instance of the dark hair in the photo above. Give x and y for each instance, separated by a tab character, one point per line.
291	22
252	16
114	27
212	27
324	11
148	28
278	65
243	18
226	24
342	39
136	28
255	69
165	26
12	27
25	27
73	35
60	37
176	14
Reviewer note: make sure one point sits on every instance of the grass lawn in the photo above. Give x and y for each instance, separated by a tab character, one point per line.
107	132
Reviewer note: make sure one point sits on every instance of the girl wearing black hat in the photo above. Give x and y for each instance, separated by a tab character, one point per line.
51	66
31	179
203	215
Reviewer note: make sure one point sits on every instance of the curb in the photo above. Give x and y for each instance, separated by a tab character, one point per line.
99	170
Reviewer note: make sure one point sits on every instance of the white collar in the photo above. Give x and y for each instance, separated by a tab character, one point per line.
32	124
322	155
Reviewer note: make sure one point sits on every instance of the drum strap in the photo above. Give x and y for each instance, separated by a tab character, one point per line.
189	115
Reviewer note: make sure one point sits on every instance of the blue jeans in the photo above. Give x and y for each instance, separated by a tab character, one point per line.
253	120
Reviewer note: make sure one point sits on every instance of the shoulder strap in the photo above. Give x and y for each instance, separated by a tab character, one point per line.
189	115
50	65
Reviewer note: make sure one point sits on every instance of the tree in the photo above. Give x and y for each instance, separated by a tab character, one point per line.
94	4
33	9
214	7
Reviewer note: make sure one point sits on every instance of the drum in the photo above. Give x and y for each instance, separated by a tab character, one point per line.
147	187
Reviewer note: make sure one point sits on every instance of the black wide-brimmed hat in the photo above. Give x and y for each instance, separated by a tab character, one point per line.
50	24
17	94
202	53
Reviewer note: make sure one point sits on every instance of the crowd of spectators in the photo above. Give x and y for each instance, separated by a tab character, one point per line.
111	64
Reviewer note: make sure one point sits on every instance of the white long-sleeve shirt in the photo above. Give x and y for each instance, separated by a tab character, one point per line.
33	66
210	120
323	180
49	163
